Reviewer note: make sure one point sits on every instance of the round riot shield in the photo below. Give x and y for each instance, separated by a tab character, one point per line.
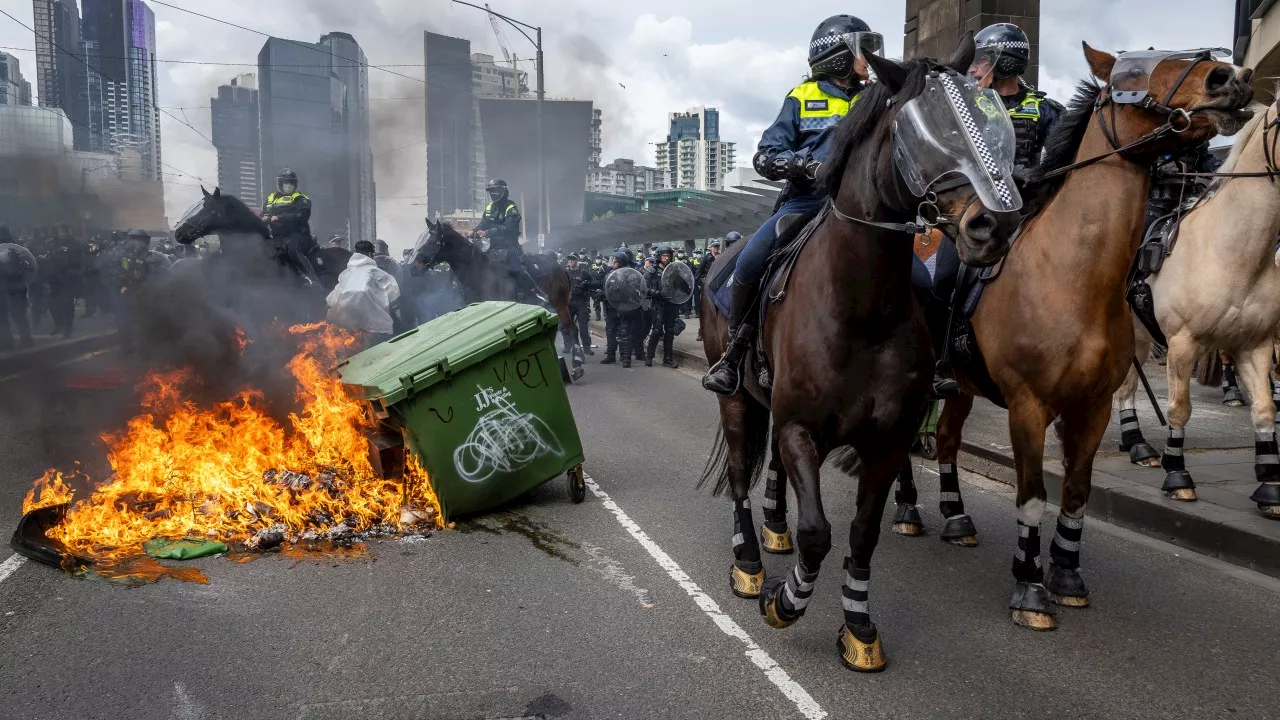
677	283
17	266
624	289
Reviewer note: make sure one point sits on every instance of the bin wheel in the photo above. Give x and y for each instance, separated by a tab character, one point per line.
577	485
929	446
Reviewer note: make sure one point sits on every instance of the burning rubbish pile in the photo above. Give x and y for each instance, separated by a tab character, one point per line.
232	473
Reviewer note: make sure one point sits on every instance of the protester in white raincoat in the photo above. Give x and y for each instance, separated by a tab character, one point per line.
362	299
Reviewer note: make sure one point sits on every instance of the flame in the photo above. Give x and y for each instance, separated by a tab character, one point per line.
185	471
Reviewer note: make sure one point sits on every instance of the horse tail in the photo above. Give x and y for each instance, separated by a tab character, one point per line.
1209	369
755	445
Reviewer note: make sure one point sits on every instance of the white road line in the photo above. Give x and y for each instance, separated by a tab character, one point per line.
10	564
804	702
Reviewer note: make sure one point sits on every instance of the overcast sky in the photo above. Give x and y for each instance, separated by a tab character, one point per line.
636	60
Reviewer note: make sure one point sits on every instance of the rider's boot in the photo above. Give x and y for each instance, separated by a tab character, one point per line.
722	378
307	272
528	287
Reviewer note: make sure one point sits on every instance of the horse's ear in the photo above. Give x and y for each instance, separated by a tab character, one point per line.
206	192
893	75
962	59
1100	63
217	192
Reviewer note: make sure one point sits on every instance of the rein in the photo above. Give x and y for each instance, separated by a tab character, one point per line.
1269	141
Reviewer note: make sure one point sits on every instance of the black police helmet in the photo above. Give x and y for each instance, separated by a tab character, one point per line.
572	257
497	189
1007	46
286	175
828	53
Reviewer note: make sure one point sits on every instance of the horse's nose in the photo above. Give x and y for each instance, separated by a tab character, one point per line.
989	225
1219	80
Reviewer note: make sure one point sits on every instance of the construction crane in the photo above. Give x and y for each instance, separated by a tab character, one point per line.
502	43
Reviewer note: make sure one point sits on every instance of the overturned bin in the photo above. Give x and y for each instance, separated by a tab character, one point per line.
478	396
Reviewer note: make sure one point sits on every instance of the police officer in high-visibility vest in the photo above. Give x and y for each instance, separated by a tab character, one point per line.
501	225
793	149
288	213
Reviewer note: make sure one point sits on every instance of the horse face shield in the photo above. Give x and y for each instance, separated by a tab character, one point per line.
955	126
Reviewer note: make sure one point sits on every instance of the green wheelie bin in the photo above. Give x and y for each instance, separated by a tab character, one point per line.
478	396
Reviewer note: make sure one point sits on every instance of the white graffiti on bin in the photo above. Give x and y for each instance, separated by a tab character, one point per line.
503	440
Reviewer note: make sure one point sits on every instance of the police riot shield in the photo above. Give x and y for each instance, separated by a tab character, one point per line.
17	266
624	289
677	283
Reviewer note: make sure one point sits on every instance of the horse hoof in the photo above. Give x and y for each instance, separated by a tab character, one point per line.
776	541
1267	495
861	655
746	584
1270	511
772	613
1143	455
1030	607
1183	495
960	531
907	521
1178	485
1232	397
1066	587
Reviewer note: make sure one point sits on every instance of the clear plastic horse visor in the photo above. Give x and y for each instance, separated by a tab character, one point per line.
1131	74
954	126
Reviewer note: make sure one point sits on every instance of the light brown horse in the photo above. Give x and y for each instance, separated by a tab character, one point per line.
1054	329
850	355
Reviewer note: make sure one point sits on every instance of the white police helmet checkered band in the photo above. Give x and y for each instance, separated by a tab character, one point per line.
956	127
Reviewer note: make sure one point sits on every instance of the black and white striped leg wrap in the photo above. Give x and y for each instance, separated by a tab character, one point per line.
1266	457
1130	431
949	502
797	590
1229	379
1026	561
1065	548
745	546
856	586
775	499
1172	458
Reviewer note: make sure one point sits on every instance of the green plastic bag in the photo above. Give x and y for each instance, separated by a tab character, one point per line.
184	549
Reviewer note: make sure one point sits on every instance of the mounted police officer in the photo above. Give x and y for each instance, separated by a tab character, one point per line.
288	214
501	225
793	149
664	312
581	283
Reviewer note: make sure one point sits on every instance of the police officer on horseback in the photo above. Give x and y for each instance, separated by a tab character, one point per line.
792	149
288	214
501	226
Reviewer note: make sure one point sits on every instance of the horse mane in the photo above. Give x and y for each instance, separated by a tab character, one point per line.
871	108
1062	146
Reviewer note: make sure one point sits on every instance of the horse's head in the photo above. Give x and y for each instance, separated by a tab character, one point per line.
924	141
215	212
1185	96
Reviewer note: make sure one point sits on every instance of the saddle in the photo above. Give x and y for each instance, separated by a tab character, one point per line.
1156	246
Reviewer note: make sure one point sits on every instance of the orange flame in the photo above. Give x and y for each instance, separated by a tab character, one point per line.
183	471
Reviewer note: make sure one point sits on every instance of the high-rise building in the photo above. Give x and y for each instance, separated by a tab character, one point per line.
313	117
493	79
120	83
694	156
934	27
347	61
59	72
593	155
623	177
452	128
14	90
235	134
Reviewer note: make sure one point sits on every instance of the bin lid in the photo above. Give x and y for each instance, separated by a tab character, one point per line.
431	353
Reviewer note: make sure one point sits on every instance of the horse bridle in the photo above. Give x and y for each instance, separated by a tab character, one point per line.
1269	141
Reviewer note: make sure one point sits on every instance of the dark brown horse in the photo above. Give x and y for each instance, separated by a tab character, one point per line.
482	279
1054	329
851	359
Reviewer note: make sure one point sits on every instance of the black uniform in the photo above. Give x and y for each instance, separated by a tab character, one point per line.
66	268
92	290
663	321
13	297
1169	189
582	282
623	332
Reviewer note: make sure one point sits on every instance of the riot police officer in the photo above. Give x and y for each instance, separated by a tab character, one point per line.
664	312
501	225
620	326
581	283
288	214
17	270
65	269
793	149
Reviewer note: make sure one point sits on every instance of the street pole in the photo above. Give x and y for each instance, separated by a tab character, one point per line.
544	224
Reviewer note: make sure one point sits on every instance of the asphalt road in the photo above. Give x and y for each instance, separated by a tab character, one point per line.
620	608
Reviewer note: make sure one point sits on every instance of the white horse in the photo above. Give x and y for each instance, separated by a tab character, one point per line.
1220	289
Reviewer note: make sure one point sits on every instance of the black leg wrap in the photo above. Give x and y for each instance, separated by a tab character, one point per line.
1231	394
950	503
745	547
906	493
1266	460
1065	548
775	498
1130	431
1172	458
855	594
1026	562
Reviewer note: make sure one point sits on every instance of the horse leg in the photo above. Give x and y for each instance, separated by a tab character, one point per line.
1126	403
859	640
1231	395
1085	429
1182	356
1030	606
745	423
775	534
1255	372
906	519
783	603
959	528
